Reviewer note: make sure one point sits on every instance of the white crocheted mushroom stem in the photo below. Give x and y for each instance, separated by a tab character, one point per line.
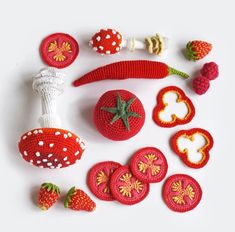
132	44
49	84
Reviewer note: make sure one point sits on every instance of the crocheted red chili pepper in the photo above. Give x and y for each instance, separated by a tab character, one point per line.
129	69
184	154
161	105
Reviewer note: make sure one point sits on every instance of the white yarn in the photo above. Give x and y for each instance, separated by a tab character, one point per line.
49	84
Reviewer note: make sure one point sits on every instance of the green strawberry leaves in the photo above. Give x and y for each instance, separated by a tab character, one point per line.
51	187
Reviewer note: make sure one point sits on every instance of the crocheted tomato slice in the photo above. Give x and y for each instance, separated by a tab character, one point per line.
99	178
149	165
126	188
181	193
59	50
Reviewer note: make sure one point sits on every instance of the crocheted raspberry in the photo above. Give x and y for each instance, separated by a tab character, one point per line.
119	115
200	85
210	70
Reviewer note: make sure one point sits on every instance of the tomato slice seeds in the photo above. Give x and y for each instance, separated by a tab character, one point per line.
181	193
126	188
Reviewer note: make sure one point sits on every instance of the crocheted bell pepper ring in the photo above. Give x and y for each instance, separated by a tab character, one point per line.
161	106
184	153
110	41
50	146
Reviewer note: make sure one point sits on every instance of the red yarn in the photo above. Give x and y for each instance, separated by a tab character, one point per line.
51	148
129	69
200	85
210	70
117	130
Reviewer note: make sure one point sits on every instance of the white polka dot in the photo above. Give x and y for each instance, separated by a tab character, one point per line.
69	134
37	154
65	158
114	32
107	52
91	42
76	153
117	48
65	149
24	137
119	37
101	47
31	161
49	164
55	160
44	160
25	153
50	155
29	133
57	133
38	162
40	143
40	131
95	48
52	167
40	166
35	132
98	38
113	43
59	165
67	162
83	146
77	140
65	136
107	36
51	145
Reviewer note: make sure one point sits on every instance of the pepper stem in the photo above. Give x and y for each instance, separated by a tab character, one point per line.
172	71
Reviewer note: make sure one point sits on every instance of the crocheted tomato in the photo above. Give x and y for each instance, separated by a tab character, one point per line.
119	115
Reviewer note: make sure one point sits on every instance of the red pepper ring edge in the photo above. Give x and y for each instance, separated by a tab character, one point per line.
203	150
161	105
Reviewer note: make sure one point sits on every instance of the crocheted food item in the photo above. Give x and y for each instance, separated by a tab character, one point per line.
99	179
119	115
110	41
181	193
149	165
77	199
196	49
106	41
59	50
126	188
50	146
183	153
210	70
129	69
200	85
48	195
161	106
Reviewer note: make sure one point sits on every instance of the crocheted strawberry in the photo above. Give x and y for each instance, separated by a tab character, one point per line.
48	195
119	115
210	70
78	200
200	85
196	49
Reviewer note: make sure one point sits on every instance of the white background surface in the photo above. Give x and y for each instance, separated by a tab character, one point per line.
25	23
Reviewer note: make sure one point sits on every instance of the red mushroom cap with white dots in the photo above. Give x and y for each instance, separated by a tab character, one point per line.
51	148
106	41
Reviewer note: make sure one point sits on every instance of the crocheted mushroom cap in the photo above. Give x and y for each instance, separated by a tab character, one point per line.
119	115
51	147
106	41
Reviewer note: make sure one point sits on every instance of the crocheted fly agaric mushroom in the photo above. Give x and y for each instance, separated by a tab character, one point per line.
50	146
110	41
